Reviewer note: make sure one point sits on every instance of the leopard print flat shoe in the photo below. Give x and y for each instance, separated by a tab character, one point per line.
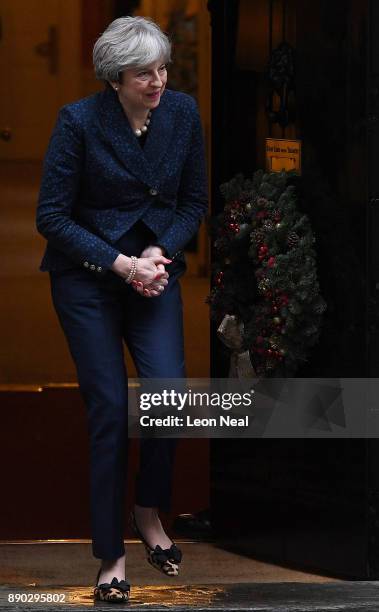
117	591
165	560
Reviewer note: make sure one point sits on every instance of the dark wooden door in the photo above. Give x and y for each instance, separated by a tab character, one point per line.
310	503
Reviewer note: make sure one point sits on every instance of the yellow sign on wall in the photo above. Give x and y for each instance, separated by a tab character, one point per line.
283	154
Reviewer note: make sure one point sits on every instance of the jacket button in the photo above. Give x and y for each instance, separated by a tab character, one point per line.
153	191
99	268
92	267
86	264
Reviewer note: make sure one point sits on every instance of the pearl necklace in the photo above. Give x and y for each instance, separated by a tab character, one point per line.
139	131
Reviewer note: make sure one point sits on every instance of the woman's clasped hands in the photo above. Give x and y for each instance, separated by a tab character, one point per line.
151	277
143	283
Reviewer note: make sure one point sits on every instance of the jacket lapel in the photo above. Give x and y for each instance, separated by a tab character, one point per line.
142	162
161	130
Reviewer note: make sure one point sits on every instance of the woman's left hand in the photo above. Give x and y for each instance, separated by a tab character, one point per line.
157	287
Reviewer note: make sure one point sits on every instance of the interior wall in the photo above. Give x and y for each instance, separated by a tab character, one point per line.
41	72
94	18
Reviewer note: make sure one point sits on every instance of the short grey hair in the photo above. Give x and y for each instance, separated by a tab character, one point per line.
129	42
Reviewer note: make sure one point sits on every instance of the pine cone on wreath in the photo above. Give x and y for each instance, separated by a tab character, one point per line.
257	236
292	239
268	225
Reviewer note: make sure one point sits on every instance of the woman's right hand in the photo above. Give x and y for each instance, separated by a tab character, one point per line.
147	267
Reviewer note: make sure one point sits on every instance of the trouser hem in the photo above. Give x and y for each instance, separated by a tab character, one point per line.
108	554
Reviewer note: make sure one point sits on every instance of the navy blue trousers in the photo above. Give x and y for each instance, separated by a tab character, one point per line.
97	315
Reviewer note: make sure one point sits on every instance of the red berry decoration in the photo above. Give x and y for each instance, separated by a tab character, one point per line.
262	214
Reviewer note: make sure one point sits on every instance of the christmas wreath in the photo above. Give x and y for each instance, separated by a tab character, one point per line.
265	293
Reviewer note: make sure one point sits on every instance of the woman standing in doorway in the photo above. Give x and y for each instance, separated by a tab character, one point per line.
123	190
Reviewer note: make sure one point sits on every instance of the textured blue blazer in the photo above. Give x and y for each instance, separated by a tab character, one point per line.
98	180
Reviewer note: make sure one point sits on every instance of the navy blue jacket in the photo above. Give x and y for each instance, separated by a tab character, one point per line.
98	180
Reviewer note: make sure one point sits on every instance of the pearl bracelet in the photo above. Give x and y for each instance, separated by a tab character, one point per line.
133	269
